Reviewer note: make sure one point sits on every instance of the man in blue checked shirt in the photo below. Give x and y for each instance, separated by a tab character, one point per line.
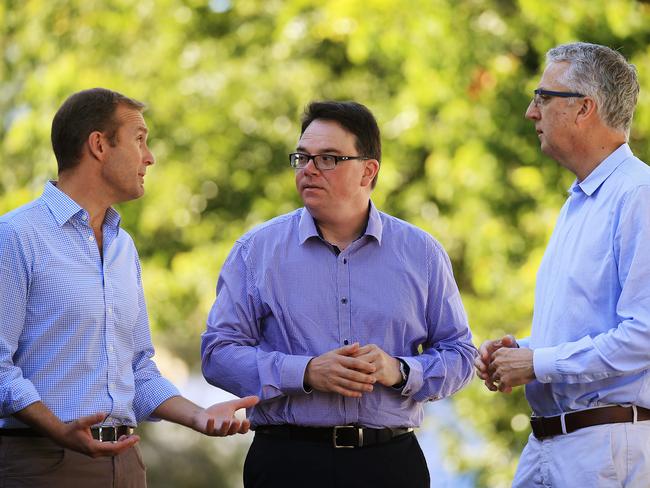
76	369
586	363
341	318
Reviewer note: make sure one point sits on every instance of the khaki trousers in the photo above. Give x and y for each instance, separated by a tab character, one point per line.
37	462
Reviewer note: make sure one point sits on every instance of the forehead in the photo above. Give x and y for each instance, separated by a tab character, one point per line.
327	135
130	118
553	75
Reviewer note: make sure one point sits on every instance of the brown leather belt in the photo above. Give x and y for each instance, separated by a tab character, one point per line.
102	434
340	436
544	427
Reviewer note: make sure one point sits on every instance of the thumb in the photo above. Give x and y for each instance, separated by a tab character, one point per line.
509	341
245	402
90	420
348	350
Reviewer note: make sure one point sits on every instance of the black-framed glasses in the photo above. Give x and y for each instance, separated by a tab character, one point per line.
323	162
542	96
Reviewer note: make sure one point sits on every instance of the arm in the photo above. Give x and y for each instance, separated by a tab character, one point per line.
16	391
232	358
445	364
624	348
151	389
217	420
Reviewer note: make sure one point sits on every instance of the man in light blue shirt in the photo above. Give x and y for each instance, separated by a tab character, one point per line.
76	369
341	318
586	363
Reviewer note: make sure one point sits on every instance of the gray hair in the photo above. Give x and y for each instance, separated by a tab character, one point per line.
604	75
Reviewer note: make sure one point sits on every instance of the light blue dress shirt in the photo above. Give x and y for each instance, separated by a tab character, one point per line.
74	331
284	296
591	325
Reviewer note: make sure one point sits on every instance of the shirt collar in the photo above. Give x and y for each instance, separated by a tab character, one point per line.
64	208
307	225
596	178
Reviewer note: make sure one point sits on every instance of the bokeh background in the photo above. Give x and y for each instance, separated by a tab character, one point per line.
226	82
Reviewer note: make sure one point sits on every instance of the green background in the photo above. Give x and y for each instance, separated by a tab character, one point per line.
226	82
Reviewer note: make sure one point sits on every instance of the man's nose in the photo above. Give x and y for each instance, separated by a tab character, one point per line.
532	112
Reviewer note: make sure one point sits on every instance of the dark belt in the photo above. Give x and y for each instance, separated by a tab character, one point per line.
340	436
102	434
544	427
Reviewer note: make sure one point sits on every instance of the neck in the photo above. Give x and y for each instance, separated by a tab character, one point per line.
81	190
341	232
593	149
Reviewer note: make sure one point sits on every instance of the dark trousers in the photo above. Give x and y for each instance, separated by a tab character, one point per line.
38	462
284	463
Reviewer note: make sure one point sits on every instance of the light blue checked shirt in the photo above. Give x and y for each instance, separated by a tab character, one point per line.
591	326
284	296
74	331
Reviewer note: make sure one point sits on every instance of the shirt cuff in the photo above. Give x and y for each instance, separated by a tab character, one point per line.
292	379
415	380
544	364
150	395
525	342
19	395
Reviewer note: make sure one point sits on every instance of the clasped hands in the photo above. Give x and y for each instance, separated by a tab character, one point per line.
502	364
352	370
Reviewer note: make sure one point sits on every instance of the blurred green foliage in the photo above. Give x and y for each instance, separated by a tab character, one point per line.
226	82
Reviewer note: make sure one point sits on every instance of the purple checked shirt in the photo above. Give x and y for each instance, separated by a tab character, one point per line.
284	296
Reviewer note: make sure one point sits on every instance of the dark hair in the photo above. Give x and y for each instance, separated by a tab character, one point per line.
81	114
353	117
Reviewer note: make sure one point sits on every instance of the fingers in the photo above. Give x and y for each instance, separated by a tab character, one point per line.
348	350
357	365
245	402
88	421
245	426
486	350
97	448
509	341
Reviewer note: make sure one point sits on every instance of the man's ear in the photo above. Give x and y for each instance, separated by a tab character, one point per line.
370	170
587	110
97	145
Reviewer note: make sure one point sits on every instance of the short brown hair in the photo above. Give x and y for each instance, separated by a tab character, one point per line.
81	114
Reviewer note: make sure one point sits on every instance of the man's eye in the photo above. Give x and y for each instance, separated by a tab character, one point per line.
327	158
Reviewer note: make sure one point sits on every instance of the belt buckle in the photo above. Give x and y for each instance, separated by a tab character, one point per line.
340	427
100	434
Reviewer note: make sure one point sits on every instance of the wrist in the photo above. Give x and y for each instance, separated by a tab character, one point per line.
404	370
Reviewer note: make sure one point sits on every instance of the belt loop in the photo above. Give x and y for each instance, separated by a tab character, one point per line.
634	414
563	422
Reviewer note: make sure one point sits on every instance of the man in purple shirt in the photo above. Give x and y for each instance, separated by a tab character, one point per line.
341	318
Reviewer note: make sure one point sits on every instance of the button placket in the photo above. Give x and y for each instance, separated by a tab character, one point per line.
345	323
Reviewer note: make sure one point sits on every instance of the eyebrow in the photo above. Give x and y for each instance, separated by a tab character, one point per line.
327	150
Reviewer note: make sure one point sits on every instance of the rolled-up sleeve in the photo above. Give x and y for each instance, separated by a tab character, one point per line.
16	392
151	389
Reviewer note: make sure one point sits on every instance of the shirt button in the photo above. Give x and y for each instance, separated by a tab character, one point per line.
91	238
345	261
344	301
112	385
109	310
111	348
346	342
